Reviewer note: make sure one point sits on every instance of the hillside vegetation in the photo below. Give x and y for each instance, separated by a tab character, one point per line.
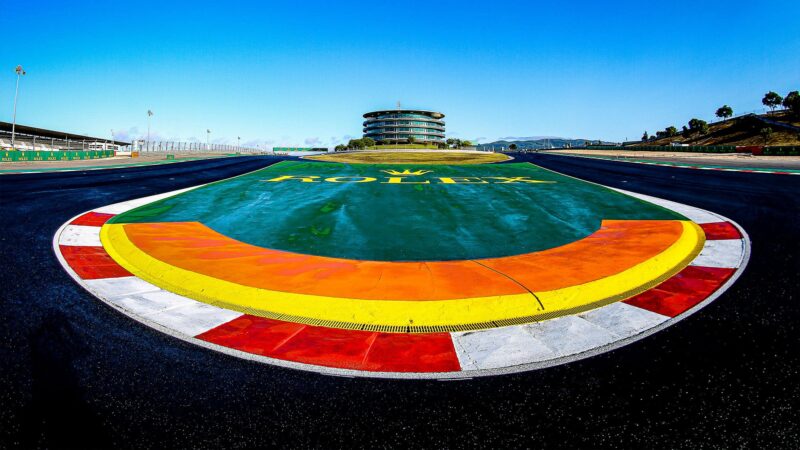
777	128
744	130
541	143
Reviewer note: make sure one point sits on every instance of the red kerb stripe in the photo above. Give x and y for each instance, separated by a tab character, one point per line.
720	230
92	219
333	347
689	287
91	263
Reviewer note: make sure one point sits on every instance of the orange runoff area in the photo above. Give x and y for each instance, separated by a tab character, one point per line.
617	246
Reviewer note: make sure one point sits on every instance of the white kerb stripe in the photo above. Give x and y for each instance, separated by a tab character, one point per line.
724	253
498	347
109	288
147	303
568	335
194	318
80	235
175	312
551	339
623	320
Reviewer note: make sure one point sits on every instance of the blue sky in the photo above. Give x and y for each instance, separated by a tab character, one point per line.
302	73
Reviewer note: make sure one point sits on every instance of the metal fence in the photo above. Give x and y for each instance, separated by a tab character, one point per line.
189	147
25	142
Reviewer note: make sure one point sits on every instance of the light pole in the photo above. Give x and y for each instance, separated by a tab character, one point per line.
238	144
149	115
208	140
20	72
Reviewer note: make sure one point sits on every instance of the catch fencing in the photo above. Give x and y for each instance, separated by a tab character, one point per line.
190	147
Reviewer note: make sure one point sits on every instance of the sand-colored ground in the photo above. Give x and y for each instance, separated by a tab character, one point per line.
114	161
724	159
412	157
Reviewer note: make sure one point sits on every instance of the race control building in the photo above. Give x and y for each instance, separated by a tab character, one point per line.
398	125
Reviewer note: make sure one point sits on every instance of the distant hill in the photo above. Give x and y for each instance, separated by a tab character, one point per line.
539	142
744	130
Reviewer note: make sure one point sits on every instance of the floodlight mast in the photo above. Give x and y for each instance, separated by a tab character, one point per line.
20	72
149	115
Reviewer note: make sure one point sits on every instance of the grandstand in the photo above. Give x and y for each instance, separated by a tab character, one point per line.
39	139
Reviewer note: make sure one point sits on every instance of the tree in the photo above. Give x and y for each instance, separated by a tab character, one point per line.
412	139
645	136
368	142
772	100
671	131
466	144
685	132
792	102
340	148
442	145
512	147
454	143
698	126
766	133
355	143
724	111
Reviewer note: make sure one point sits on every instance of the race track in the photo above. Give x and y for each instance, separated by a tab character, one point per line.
77	373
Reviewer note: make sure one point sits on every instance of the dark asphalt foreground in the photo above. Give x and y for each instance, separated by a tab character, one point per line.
75	373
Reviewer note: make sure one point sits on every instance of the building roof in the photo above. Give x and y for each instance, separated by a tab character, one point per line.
26	131
434	114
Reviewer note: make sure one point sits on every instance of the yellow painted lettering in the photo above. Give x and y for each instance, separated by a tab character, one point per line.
462	180
304	179
506	180
350	179
399	180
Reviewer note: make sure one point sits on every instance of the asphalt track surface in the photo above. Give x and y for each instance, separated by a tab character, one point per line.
75	373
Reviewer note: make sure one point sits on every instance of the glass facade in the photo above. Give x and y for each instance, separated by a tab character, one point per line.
400	125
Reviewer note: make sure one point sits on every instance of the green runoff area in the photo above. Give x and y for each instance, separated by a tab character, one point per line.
386	212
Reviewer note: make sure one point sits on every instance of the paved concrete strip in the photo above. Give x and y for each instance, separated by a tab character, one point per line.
728	253
191	318
110	288
80	235
551	339
623	320
150	303
569	335
499	347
